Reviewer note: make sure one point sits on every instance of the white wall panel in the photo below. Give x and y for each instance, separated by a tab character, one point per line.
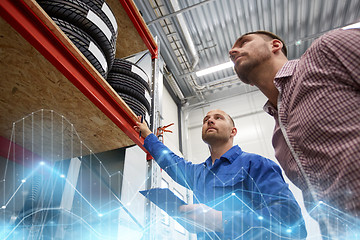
173	231
198	150
170	115
134	180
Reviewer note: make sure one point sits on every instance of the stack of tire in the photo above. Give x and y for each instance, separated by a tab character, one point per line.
90	25
132	84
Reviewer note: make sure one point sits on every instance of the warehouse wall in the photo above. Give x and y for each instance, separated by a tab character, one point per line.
170	115
135	175
254	135
168	227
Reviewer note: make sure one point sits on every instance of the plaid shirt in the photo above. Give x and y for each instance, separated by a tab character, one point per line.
319	109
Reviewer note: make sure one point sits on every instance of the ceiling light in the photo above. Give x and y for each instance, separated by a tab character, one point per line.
215	68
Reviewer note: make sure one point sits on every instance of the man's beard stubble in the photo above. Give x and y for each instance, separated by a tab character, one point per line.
213	139
245	69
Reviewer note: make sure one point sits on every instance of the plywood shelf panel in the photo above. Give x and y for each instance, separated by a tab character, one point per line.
128	39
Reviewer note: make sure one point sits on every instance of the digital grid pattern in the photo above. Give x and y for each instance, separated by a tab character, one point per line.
63	190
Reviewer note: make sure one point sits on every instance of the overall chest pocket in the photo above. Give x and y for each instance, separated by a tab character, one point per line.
231	191
230	181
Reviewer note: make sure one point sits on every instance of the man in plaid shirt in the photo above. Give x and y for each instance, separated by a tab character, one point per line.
315	103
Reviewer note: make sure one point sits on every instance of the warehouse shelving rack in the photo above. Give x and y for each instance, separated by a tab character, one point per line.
42	69
75	75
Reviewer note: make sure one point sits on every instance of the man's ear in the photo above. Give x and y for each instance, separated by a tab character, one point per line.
233	132
277	45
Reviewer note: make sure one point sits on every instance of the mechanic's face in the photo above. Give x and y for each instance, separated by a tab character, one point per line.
217	127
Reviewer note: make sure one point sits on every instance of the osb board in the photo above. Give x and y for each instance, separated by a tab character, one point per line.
29	83
128	41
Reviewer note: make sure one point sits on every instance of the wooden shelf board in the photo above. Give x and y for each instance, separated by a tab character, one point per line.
128	40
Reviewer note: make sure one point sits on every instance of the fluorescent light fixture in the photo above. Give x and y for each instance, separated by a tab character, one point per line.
355	25
215	68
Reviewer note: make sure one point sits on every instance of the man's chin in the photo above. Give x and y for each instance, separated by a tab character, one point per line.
209	139
243	78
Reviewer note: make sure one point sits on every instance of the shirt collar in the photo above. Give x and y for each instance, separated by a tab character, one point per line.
269	108
286	71
230	155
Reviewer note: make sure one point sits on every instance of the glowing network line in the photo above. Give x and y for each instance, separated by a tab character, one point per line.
23	181
42	165
47	209
331	211
233	194
101	213
52	170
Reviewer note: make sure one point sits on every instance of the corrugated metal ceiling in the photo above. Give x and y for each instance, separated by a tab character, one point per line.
213	26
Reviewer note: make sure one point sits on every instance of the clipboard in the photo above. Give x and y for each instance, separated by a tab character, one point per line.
165	199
